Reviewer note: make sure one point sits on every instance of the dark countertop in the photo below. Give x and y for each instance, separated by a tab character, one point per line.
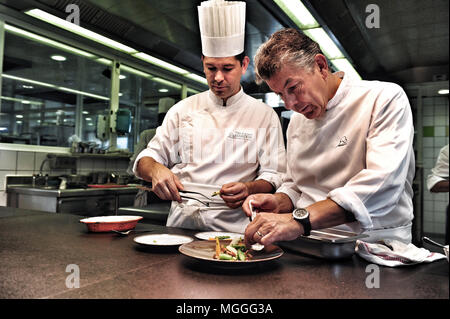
36	248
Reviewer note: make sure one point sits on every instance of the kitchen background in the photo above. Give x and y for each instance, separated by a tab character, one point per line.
60	86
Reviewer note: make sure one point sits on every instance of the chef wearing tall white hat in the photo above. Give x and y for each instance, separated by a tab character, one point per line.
221	139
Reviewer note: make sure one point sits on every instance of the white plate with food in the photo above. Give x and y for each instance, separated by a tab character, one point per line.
219	253
212	235
162	240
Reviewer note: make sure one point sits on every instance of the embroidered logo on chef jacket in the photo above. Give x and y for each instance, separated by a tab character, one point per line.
241	135
342	142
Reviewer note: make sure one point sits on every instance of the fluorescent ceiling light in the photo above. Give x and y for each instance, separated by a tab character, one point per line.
12	77
134	71
104	61
196	78
57	57
72	27
345	65
121	77
165	82
44	40
28	86
19	116
327	45
443	91
298	13
6	98
56	87
158	62
163	90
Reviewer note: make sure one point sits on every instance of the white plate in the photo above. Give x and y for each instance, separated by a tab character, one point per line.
213	234
162	240
111	219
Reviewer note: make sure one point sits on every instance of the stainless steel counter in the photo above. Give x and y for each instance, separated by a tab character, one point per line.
80	201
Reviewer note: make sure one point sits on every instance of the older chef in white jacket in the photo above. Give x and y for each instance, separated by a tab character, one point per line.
221	139
349	149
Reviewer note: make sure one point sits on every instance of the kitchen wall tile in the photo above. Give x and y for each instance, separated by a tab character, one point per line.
441	109
427	110
440	206
439	131
39	159
440	141
428	131
428	227
439	228
3	197
8	160
440	217
428	121
428	152
428	142
428	162
3	179
428	205
440	120
25	161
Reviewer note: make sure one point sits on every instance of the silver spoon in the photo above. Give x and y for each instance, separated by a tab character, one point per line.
124	233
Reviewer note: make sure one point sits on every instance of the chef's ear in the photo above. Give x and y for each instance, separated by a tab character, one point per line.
245	63
321	61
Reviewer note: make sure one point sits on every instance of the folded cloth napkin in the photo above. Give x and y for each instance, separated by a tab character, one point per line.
394	253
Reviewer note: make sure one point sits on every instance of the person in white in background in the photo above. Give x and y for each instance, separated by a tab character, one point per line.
219	139
438	182
350	160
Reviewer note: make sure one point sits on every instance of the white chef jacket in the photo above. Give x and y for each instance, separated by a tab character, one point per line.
360	155
207	143
440	171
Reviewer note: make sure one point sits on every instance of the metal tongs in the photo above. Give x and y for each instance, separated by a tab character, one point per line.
149	189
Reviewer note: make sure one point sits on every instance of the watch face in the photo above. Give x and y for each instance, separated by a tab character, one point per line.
300	213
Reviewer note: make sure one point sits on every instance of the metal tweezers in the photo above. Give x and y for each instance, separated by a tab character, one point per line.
182	196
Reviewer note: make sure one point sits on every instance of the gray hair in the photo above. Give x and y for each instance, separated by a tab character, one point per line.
287	46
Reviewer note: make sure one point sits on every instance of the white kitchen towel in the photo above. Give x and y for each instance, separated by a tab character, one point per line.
393	253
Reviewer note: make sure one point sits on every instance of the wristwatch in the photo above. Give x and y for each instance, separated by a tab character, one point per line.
301	215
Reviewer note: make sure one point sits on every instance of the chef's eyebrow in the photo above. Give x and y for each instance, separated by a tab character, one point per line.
289	80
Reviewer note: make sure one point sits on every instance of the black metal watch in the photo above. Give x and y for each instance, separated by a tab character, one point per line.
301	215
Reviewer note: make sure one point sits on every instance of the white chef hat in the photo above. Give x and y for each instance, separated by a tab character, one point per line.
222	27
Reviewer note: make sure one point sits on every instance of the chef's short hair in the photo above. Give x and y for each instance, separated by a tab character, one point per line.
240	57
284	46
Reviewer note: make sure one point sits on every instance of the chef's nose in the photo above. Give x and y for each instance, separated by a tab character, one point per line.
218	77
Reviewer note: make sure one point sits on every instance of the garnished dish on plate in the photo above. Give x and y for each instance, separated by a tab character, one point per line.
207	251
235	250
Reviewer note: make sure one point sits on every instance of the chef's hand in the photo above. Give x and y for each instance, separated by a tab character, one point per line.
261	203
165	184
234	194
268	228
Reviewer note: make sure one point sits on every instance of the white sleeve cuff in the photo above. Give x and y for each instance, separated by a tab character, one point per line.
146	153
433	180
272	178
348	200
293	194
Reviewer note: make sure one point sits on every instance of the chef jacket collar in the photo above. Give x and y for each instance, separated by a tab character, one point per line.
341	91
231	101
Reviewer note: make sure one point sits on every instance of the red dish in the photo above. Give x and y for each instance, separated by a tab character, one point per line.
110	223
